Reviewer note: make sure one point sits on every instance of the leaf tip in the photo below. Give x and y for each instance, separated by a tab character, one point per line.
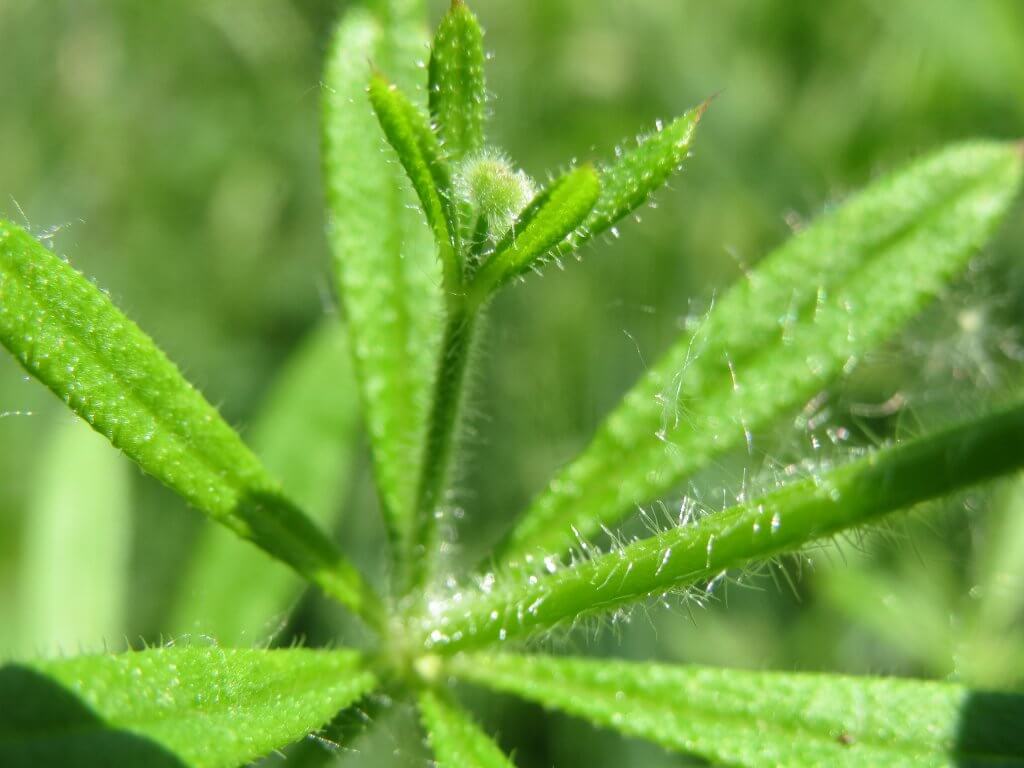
704	105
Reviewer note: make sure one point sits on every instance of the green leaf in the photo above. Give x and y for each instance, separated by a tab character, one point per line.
305	433
770	718
348	732
171	707
637	174
388	274
518	603
551	217
456	740
417	147
68	334
458	94
77	546
999	566
807	313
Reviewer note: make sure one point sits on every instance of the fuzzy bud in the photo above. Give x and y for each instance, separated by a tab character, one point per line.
489	183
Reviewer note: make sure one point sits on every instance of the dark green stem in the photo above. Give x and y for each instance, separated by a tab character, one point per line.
439	445
476	241
814	508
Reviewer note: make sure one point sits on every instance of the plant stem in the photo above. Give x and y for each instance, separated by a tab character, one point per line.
816	507
421	560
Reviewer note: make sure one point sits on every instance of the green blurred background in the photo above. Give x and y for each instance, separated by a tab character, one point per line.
170	150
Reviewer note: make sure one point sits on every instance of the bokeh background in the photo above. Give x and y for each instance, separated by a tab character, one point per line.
170	151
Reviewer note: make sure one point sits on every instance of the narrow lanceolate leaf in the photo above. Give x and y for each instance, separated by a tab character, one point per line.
68	334
305	434
518	603
171	707
456	740
757	719
458	96
637	174
388	273
830	295
409	134
552	216
73	577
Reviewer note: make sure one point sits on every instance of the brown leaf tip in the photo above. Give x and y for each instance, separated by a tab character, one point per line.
703	106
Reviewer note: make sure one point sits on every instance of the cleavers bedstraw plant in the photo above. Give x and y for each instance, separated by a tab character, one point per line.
427	222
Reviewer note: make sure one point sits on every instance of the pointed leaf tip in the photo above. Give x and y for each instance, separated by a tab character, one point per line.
636	175
410	135
704	106
378	80
457	89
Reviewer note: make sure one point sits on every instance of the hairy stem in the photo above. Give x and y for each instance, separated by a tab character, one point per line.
819	506
439	447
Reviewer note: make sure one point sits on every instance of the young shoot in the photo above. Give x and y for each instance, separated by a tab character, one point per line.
427	223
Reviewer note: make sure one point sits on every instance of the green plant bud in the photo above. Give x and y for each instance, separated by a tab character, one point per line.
489	183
